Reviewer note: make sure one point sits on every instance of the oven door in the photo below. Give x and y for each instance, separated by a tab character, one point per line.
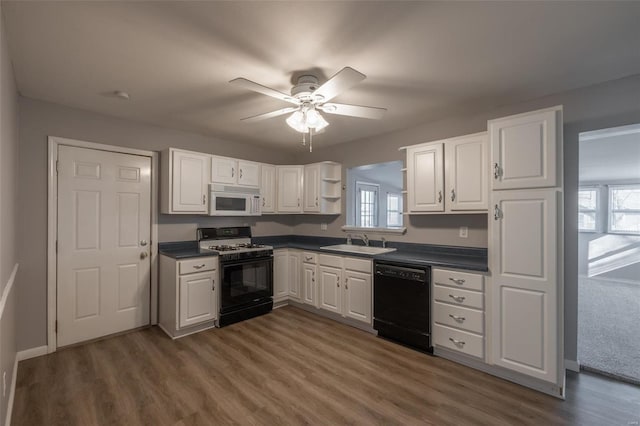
246	281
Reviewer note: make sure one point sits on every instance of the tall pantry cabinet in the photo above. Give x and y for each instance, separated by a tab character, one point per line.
526	255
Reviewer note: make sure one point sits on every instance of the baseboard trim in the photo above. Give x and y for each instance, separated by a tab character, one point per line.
32	353
572	365
12	392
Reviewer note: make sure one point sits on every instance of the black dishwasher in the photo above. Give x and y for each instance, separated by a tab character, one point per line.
402	303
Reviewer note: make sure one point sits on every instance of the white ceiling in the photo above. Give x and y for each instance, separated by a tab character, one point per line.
610	155
423	60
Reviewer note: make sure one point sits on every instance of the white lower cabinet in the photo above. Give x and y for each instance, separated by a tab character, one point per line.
329	284
280	275
458	312
189	294
309	273
295	287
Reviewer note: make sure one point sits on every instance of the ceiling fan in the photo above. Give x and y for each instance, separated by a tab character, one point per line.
309	97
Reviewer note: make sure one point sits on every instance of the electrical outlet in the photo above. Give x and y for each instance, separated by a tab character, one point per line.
323	226
4	384
464	232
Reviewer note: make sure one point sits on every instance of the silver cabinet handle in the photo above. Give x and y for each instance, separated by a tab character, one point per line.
213	287
233	171
298	202
264	200
346	284
240	173
457	280
143	242
204	199
439	196
199	266
307	258
458	299
457	342
338	282
453	195
457	318
497	213
497	171
316	201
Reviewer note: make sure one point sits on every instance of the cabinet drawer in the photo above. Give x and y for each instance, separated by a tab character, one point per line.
329	260
463	280
458	340
471	299
199	264
358	265
309	257
458	317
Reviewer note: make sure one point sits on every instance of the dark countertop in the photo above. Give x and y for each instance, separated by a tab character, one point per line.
472	259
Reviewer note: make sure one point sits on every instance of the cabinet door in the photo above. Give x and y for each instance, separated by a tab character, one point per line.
289	189
309	292
329	288
268	188
357	291
311	188
294	275
425	178
280	275
248	173
524	150
197	298
467	161
189	183
526	285
224	170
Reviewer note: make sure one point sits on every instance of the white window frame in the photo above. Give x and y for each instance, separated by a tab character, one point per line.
395	212
611	210
376	207
596	210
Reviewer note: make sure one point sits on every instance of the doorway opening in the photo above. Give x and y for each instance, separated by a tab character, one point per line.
609	252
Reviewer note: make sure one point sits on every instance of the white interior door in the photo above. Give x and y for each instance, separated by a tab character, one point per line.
526	284
104	230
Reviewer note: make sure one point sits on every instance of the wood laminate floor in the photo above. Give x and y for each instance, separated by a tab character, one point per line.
290	367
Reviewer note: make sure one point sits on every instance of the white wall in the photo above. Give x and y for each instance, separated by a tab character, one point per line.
610	104
39	119
8	219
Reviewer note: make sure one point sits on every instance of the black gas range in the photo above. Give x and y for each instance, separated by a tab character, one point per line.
246	272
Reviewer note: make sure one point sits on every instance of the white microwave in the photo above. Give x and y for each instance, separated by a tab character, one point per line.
225	200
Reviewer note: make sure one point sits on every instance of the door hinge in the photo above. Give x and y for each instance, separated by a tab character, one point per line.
56	326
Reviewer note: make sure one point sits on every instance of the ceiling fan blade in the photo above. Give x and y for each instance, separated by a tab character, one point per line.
271	114
252	85
373	113
346	78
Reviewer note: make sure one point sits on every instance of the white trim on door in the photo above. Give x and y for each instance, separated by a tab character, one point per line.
52	224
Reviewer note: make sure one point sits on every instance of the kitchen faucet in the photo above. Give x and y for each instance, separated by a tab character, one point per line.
364	239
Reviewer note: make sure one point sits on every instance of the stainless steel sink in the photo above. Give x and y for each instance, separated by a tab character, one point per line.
349	248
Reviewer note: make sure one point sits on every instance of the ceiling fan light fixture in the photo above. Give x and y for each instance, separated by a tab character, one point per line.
297	122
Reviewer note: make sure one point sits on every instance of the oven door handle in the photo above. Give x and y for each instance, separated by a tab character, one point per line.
268	259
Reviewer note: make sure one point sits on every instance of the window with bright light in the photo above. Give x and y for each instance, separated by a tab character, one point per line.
394	210
588	209
367	205
624	209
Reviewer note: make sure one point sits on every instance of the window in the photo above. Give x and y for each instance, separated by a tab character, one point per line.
624	209
588	209
366	205
394	210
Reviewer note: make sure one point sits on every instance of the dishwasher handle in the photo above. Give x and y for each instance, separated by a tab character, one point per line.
401	272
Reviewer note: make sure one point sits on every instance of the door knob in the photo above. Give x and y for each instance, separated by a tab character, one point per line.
143	255
143	242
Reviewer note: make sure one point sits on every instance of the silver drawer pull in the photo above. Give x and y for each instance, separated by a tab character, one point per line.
308	258
457	280
199	266
459	299
456	342
457	318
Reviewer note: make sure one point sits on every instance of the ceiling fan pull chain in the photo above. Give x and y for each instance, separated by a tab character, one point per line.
304	142
311	140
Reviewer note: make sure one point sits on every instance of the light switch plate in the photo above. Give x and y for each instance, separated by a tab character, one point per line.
464	232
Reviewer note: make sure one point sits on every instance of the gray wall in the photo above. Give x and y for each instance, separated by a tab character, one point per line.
609	104
40	119
8	217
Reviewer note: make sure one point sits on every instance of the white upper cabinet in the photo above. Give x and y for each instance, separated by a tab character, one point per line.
467	174
268	188
289	183
312	188
524	150
425	178
236	172
184	182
